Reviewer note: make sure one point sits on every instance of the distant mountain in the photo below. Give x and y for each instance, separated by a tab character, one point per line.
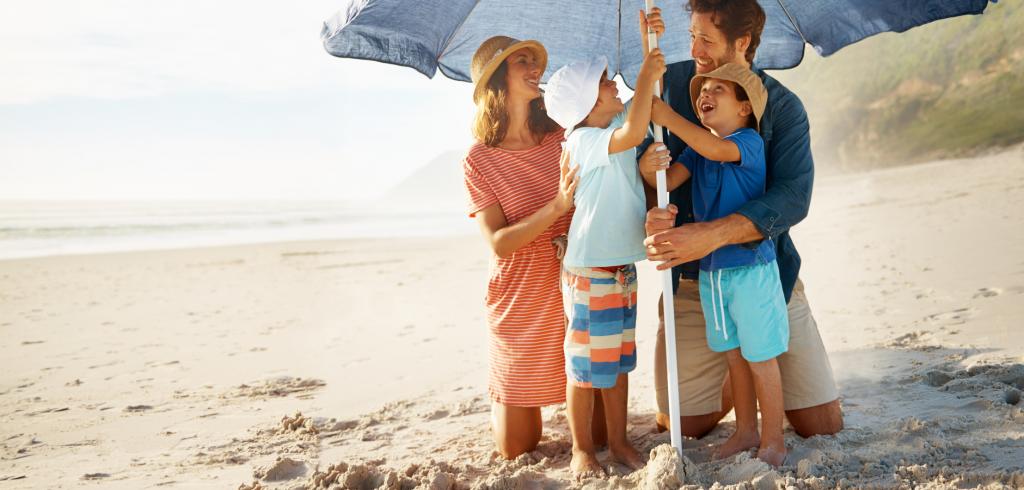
948	89
436	186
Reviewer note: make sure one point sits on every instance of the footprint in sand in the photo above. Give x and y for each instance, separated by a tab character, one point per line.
987	292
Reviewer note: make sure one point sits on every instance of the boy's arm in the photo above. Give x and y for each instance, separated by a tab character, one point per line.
675	176
701	140
638	117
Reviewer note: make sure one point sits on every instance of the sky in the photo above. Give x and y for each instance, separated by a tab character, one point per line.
114	99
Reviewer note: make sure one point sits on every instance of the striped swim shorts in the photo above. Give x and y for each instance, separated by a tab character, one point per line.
601	308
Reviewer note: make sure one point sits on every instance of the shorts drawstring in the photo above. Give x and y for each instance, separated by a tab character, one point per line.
720	305
714	307
622	278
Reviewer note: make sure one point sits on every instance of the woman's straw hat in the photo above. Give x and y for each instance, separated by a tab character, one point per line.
492	52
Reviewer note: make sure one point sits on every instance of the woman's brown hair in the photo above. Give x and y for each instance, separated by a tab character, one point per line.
491	122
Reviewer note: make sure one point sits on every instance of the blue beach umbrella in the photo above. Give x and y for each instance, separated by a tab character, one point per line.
432	35
428	35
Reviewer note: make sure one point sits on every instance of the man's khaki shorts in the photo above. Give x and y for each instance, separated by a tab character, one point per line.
807	378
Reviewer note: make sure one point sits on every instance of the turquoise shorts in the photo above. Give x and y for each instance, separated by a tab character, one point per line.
744	308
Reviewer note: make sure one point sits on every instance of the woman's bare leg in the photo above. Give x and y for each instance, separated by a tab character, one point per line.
516	429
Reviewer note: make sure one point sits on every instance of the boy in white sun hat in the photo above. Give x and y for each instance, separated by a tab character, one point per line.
740	291
605	240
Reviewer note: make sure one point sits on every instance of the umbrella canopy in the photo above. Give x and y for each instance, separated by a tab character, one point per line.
428	35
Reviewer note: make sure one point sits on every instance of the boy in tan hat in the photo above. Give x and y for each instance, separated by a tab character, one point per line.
740	291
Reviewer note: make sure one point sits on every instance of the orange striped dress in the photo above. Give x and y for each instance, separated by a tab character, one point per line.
524	305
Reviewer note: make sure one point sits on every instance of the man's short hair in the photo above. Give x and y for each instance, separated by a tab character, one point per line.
735	18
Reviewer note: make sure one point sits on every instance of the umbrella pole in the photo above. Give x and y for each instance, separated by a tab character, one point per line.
667	289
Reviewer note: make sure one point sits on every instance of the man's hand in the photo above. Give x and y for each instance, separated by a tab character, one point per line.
673	245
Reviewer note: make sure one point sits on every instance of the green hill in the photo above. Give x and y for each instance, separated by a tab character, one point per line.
952	88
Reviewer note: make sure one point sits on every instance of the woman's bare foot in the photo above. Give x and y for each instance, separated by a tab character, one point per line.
773	453
627	455
585	465
737	443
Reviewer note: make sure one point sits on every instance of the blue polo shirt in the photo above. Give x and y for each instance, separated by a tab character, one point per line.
722	188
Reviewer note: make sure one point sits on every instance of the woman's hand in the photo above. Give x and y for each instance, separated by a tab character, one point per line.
654	159
566	185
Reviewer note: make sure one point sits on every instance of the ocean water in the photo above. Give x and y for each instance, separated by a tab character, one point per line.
45	228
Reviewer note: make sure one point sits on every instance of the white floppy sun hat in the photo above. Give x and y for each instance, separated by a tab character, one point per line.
571	92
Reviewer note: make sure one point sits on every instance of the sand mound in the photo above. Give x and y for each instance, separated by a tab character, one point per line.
370	475
282	469
298	423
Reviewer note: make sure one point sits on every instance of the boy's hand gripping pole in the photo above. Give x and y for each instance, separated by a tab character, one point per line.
667	286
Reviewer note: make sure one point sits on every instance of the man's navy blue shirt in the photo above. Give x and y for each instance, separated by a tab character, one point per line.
790	170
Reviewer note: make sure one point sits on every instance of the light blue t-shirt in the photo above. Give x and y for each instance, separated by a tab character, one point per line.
608	225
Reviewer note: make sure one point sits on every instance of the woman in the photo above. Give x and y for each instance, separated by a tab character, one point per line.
520	193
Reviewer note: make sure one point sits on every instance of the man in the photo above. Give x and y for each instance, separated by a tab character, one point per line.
729	31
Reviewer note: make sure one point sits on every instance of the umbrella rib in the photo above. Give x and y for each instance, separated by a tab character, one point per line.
618	44
793	21
444	49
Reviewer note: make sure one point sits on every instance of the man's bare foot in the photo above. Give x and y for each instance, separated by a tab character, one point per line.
773	453
585	465
627	455
737	443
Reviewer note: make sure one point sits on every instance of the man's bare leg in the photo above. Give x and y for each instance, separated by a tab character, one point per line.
768	386
516	429
698	426
746	435
825	419
615	400
580	405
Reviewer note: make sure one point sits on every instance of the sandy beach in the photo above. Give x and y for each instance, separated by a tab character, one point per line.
362	363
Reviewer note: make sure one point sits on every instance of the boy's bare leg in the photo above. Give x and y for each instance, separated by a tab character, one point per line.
615	401
598	427
516	429
580	405
745	403
768	385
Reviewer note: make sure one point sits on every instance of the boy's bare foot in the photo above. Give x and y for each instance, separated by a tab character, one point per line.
773	453
585	465
627	455
737	443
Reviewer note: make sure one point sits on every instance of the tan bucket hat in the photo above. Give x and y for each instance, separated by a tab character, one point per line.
492	52
745	78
